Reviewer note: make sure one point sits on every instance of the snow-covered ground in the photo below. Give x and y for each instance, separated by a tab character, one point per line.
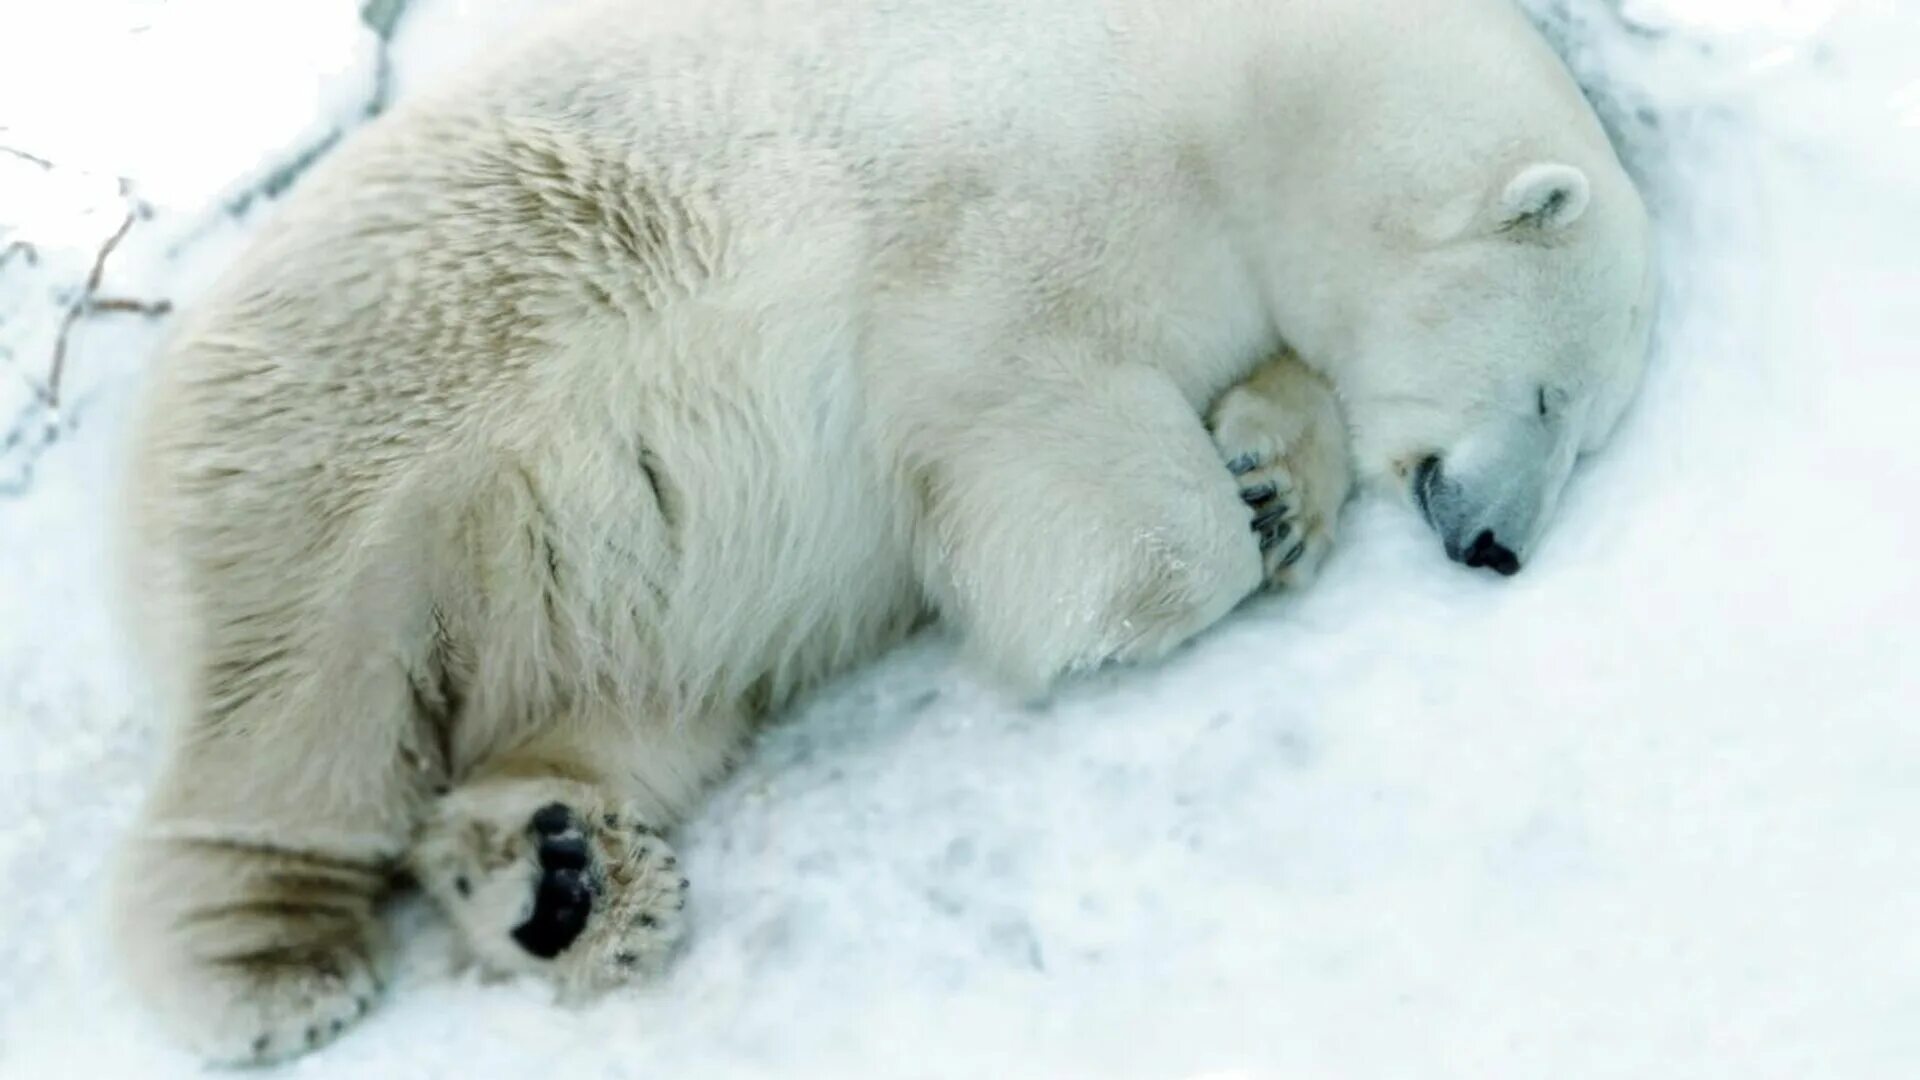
1651	809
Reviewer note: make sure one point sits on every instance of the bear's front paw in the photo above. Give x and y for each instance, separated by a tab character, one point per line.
1281	436
576	889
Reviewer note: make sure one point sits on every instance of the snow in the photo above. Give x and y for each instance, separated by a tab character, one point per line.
1648	809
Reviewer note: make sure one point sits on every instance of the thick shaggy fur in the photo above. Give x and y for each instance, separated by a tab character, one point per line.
568	420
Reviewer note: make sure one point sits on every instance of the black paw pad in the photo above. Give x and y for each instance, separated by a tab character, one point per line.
568	851
552	818
560	910
563	900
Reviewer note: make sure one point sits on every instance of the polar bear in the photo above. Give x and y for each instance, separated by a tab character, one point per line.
578	414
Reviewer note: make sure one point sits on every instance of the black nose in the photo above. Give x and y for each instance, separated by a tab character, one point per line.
1490	553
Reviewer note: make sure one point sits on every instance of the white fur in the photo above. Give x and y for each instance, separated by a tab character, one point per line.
570	418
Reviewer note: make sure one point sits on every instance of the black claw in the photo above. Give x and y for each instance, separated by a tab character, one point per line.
647	922
626	959
1257	494
260	1045
1293	556
1272	538
552	818
611	821
361	1005
1243	464
336	1027
462	886
683	884
565	852
313	1035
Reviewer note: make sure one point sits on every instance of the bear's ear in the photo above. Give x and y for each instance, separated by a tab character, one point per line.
1545	197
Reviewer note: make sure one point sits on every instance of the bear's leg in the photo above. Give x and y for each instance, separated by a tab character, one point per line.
1084	519
246	899
1282	435
549	859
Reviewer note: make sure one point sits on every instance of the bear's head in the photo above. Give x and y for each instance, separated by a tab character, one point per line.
1501	341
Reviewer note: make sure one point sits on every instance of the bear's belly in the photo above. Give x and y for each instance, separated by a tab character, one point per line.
719	532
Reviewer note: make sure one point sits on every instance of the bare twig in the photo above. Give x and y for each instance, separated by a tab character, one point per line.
24	156
44	420
23	249
51	392
116	305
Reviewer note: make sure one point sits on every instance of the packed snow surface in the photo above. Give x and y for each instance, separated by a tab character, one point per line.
1647	810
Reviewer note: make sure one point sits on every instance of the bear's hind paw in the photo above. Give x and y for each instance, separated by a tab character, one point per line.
575	889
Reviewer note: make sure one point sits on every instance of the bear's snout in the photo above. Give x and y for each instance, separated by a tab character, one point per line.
1467	538
1487	550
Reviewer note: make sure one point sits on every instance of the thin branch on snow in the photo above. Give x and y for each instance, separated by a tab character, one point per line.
88	299
35	159
46	416
43	421
22	249
118	305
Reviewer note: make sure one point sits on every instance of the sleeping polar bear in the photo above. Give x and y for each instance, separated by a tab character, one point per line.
570	419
